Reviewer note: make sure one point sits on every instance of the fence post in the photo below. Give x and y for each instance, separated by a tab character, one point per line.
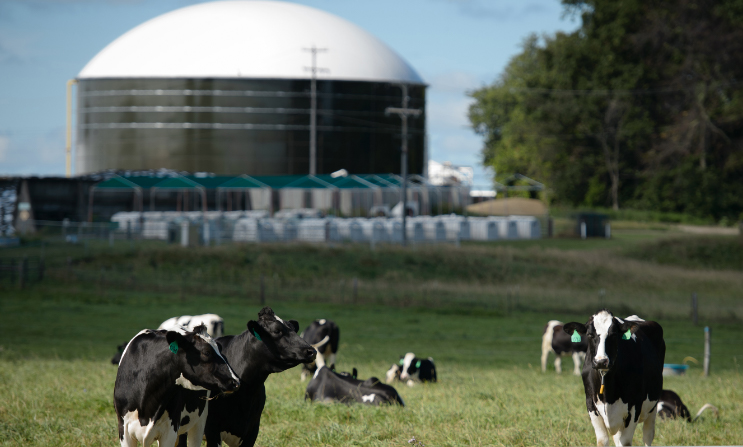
355	289
694	309
183	285
263	289
707	353
41	269
69	268
111	239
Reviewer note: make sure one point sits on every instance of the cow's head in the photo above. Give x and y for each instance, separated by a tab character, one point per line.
603	333
279	338
409	365
200	362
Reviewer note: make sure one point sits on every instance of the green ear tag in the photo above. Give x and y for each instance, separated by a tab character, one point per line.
418	364
402	362
627	335
575	338
257	336
174	347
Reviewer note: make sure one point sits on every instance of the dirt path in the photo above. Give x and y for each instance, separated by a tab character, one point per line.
698	229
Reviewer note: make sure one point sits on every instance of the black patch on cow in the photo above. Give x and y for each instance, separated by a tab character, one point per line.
185	420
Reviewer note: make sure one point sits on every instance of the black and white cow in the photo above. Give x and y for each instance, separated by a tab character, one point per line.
324	336
556	341
622	375
411	369
213	322
269	345
670	406
329	386
161	378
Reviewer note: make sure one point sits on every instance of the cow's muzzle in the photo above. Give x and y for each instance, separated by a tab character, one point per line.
601	363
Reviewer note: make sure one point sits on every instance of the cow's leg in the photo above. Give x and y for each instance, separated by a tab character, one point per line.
602	435
331	359
624	436
168	439
648	428
127	440
558	363
182	440
545	354
577	363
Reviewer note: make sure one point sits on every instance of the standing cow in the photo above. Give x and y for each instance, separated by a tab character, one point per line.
324	336
161	376
269	345
622	375
556	341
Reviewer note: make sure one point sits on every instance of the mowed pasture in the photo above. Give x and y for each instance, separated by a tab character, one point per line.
482	328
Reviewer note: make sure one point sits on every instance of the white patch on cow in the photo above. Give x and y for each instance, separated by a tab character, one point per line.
407	360
602	322
230	439
214	346
392	373
410	383
547	342
190	322
611	421
660	406
185	383
368	398
316	372
279	319
196	424
633	318
144	331
322	321
160	430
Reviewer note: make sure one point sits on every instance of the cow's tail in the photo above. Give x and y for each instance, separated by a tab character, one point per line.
706	407
321	342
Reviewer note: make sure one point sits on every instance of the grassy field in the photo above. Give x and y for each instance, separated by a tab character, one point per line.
479	310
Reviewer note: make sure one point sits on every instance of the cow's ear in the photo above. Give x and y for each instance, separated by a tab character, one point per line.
573	327
294	324
219	345
177	341
629	326
256	330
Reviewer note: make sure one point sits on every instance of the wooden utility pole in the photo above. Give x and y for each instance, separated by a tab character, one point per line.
313	113
404	112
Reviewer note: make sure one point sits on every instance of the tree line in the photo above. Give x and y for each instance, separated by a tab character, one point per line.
641	107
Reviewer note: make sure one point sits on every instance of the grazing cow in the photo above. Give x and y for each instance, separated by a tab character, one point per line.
670	406
269	345
622	375
161	376
555	340
329	386
411	369
213	322
324	336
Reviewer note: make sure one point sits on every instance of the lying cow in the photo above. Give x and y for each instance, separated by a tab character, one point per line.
269	345
411	369
324	336
670	406
161	378
330	386
556	341
622	375
213	322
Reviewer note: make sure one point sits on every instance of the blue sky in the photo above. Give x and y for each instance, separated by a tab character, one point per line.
455	45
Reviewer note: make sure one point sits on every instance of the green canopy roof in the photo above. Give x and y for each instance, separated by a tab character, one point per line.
117	184
178	183
242	182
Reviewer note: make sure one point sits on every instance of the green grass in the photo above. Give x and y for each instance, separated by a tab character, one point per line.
479	310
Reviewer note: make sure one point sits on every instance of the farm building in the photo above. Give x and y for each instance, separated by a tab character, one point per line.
226	87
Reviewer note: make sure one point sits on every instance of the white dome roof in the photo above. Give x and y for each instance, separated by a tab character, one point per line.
248	39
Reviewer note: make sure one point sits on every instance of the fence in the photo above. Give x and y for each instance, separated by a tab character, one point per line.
21	270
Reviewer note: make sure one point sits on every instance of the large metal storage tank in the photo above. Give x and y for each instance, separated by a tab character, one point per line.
223	87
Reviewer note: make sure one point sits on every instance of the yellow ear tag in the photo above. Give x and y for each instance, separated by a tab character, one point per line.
601	391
